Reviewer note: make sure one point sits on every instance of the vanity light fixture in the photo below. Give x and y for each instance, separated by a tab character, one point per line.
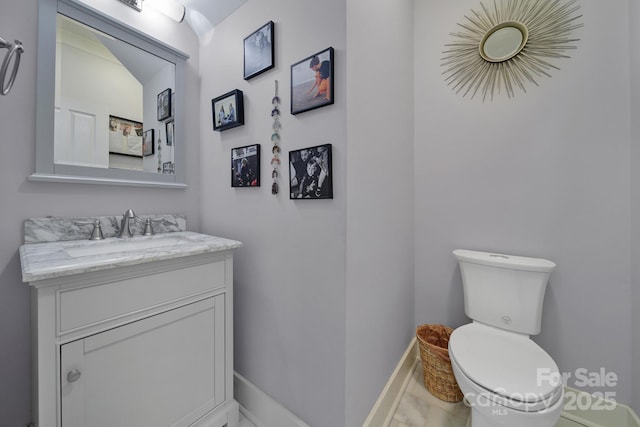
509	44
172	8
136	4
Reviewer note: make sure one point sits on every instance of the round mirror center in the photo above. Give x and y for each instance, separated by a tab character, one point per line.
503	42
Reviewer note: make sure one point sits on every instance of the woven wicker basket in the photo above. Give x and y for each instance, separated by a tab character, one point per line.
434	352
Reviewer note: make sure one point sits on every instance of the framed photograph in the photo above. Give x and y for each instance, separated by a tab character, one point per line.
169	129
228	110
258	51
148	142
310	173
164	104
168	167
312	82
125	136
245	166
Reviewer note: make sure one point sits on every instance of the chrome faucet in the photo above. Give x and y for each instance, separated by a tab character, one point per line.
125	224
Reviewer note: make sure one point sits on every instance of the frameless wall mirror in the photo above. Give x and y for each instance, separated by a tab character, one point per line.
113	114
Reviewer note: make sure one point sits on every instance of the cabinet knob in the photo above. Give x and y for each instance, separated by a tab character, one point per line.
74	375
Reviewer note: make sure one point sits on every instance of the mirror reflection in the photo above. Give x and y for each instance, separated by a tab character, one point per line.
113	104
503	42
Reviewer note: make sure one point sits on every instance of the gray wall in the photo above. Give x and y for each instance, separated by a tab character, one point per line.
320	285
634	12
290	275
546	174
22	199
380	185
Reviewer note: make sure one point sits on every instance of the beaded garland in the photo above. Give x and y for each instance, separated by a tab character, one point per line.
159	155
275	139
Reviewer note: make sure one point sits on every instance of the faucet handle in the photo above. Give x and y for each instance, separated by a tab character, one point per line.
148	228
96	233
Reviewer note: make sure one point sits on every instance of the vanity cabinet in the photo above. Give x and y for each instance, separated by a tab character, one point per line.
141	345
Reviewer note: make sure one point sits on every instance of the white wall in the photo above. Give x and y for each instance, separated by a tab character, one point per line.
23	199
380	185
290	275
546	174
83	79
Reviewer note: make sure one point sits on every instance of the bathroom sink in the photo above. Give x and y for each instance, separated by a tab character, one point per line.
49	260
111	246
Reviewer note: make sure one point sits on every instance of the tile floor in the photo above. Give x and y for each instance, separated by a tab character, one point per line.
419	408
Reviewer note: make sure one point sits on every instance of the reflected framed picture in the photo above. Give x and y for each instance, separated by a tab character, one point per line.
228	110
169	131
168	167
125	136
148	142
312	82
310	173
245	166
259	51
164	104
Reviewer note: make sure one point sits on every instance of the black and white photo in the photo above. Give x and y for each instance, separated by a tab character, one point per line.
245	166
164	105
310	174
259	51
148	142
169	132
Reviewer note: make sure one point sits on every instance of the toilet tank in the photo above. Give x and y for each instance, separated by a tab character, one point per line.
504	291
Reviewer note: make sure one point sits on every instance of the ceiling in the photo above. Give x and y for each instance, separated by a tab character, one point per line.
203	15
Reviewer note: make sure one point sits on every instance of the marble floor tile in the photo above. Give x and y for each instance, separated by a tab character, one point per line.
419	408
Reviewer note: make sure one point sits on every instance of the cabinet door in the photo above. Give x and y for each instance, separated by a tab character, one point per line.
165	370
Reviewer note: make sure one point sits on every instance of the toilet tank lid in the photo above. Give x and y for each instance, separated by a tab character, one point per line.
505	261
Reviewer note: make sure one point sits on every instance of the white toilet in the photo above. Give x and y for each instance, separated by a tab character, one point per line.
506	378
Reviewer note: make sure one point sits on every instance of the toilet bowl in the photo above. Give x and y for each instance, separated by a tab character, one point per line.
506	378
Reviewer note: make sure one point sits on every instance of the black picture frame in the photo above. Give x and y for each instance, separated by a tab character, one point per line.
312	82
125	137
259	51
164	105
169	130
168	167
148	142
228	110
245	166
311	173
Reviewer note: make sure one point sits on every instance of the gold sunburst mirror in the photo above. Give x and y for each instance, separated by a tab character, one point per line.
508	45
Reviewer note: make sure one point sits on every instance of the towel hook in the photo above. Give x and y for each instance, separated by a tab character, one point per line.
15	49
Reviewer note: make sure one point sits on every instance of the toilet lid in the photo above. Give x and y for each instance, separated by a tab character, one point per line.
505	363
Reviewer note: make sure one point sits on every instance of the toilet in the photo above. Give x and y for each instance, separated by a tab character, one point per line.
506	378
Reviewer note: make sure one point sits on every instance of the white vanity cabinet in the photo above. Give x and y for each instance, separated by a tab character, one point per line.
148	344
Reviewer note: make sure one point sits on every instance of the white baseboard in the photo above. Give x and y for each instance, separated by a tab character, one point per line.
260	409
389	399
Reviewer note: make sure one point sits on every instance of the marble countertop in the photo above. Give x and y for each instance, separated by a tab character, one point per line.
48	260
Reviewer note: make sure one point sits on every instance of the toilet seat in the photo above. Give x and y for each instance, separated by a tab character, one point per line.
512	369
